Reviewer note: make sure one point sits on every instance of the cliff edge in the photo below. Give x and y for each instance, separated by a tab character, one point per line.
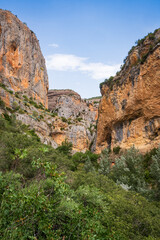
22	65
129	111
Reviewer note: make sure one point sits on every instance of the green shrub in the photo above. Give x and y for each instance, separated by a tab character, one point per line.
25	98
53	114
65	148
144	57
64	119
105	163
17	95
21	111
155	174
116	150
37	201
79	119
15	106
2	104
35	114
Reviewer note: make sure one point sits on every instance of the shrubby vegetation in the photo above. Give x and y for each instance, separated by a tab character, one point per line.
50	194
139	42
134	171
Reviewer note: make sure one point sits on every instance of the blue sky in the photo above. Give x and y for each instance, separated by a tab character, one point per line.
85	41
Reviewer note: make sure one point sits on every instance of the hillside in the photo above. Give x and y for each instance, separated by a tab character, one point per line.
38	202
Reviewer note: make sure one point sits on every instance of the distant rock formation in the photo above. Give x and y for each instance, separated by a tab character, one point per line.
54	95
24	88
79	118
22	65
129	111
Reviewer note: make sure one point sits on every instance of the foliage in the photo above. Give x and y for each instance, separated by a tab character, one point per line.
64	119
2	85
105	163
80	159
37	201
54	114
32	102
116	150
128	170
155	174
65	148
2	104
15	106
108	81
134	171
128	213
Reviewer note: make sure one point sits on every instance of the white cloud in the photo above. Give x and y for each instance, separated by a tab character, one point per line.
66	62
53	45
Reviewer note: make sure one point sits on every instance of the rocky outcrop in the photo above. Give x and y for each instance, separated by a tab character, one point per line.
129	111
22	65
68	104
24	87
78	118
54	95
51	127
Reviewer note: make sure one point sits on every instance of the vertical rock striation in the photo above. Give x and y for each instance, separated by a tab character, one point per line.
22	65
129	111
77	121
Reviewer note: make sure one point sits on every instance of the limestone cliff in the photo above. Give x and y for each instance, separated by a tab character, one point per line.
129	111
77	118
54	127
22	65
24	88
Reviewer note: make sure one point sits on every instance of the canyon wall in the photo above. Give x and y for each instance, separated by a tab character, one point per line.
77	118
22	65
129	111
24	91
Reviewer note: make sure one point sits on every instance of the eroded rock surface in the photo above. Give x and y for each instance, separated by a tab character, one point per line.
129	111
52	127
79	117
22	65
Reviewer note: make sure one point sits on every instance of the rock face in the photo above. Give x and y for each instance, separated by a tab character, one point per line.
22	65
68	103
54	127
78	118
24	88
54	95
129	111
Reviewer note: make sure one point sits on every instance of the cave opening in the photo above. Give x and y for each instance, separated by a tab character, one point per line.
109	140
13	47
108	136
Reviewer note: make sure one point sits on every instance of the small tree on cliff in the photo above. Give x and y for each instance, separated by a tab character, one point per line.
66	147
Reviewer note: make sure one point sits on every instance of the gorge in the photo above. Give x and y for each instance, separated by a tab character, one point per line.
129	111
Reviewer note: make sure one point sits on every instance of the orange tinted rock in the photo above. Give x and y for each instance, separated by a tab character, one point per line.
129	112
22	65
79	118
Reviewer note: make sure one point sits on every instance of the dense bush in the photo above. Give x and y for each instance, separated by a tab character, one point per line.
134	171
37	201
116	150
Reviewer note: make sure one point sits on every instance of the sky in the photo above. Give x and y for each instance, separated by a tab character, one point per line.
85	41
